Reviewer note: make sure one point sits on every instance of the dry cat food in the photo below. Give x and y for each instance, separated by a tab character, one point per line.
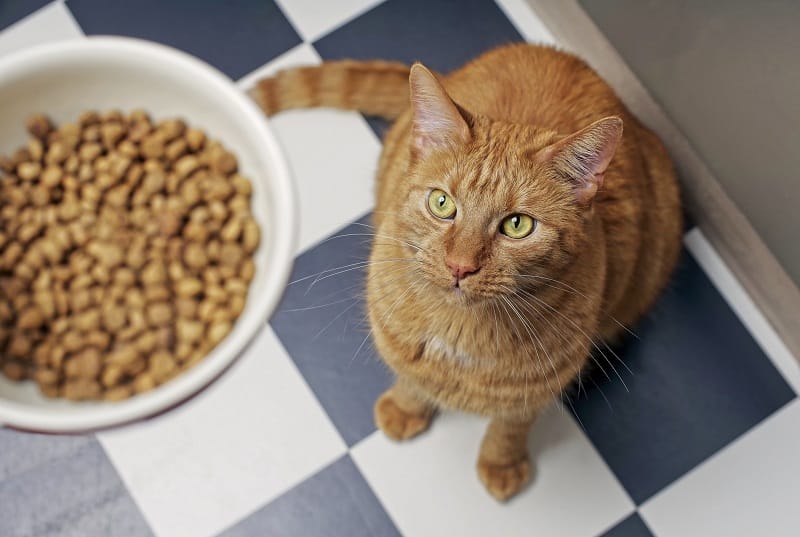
125	253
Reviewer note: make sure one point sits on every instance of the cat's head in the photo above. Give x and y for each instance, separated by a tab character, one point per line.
495	207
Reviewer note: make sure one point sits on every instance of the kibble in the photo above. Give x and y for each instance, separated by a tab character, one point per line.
125	253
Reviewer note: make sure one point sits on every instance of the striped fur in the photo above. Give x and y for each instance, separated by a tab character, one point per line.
521	129
376	88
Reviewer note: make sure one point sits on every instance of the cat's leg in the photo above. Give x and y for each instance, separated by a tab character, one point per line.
401	412
503	464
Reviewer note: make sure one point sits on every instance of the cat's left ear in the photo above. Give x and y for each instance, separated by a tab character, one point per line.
584	156
437	122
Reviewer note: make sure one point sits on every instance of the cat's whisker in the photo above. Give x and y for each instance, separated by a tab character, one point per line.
345	310
542	368
361	284
532	330
495	314
496	327
532	307
362	224
365	264
388	314
356	299
569	288
363	342
309	276
575	412
594	344
602	393
566	340
392	237
380	235
538	313
319	306
341	290
394	304
591	340
396	282
341	313
544	372
580	383
355	266
599	365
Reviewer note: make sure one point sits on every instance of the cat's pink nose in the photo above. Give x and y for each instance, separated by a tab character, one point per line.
460	269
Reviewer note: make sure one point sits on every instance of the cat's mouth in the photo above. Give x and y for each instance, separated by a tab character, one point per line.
461	293
457	290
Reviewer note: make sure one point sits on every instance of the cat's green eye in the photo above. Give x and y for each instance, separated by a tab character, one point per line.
517	226
441	204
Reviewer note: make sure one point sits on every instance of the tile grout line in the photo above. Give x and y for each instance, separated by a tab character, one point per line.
733	294
248	81
71	15
365	476
696	250
342	451
121	476
711	459
36	13
285	12
322	33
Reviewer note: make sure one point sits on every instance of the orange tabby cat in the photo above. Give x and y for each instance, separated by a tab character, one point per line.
517	225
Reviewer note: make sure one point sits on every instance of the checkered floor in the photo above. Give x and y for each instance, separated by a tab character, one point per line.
698	435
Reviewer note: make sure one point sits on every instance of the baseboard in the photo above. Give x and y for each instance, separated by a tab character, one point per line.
724	225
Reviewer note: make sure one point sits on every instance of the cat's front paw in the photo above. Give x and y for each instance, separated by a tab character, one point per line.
504	480
395	422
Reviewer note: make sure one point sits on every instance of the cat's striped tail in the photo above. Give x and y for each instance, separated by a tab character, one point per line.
376	88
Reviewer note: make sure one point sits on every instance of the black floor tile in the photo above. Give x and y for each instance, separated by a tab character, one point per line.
443	34
322	323
698	381
336	501
633	526
79	493
236	36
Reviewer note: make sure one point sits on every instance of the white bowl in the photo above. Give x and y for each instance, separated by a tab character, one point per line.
100	73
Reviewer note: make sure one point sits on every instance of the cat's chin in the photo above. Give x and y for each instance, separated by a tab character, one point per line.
460	296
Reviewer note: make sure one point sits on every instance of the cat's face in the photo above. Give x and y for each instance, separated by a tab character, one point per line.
494	208
487	217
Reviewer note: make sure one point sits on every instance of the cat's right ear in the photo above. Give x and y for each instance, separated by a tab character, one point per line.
584	156
437	123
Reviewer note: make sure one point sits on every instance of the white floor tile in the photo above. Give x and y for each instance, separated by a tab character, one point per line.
254	434
526	21
749	488
313	19
741	303
53	22
333	155
430	487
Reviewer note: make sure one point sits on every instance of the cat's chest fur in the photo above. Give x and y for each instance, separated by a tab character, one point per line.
469	366
473	359
437	349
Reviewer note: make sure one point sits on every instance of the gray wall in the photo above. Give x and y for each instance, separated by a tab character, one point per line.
728	73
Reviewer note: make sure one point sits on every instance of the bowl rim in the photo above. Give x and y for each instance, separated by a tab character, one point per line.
191	382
